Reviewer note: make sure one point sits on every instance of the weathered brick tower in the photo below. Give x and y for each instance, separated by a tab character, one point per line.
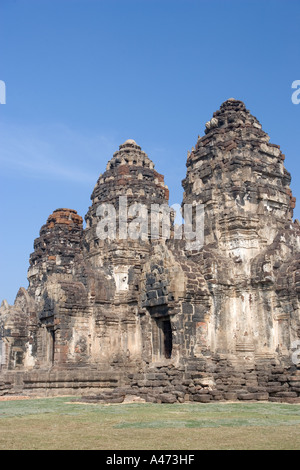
156	317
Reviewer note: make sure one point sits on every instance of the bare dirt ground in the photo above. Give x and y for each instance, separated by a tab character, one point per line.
14	397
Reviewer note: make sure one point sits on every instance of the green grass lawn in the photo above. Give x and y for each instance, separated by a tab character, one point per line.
60	423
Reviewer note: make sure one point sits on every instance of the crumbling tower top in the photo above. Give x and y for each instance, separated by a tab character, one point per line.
129	174
233	115
236	172
56	247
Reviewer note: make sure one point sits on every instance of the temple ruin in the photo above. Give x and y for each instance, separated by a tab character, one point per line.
163	319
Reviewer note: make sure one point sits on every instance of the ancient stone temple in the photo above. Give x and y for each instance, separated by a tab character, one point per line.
125	308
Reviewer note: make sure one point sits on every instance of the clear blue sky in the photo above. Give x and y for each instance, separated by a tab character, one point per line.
82	76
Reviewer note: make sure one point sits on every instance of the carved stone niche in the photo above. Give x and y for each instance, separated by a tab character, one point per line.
121	278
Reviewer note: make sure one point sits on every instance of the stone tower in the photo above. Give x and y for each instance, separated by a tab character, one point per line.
111	311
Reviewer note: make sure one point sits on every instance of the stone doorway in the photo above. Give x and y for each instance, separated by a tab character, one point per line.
166	340
50	345
162	340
